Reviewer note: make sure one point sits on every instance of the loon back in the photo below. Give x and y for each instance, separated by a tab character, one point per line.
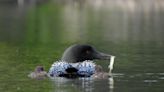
72	70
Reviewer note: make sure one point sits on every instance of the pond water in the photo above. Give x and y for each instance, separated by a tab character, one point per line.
36	32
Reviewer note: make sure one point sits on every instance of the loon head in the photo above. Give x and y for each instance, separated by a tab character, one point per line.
80	53
39	69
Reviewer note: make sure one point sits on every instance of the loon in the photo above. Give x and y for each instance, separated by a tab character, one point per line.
77	61
38	73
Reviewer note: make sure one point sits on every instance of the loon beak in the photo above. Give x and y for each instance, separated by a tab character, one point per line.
103	56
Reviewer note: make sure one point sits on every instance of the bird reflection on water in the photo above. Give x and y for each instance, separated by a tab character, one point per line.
83	84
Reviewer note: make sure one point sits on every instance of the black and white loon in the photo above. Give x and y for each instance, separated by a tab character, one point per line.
77	61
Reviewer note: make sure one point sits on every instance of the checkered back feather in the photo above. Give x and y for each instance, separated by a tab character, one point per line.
86	68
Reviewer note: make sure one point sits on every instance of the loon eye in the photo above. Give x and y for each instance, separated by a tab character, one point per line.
87	52
42	69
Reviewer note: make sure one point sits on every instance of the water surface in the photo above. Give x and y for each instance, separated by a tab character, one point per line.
36	32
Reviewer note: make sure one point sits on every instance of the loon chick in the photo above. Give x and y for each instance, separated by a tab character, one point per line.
79	53
38	73
99	73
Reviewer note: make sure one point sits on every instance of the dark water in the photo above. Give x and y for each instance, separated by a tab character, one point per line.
36	32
